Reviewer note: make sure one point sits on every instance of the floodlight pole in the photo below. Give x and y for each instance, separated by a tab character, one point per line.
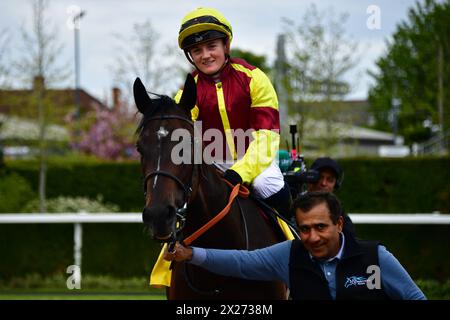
76	28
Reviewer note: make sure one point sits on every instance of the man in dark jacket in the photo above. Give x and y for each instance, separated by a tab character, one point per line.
331	175
331	179
324	264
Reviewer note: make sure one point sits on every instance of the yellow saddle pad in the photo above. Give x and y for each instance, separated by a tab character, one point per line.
161	274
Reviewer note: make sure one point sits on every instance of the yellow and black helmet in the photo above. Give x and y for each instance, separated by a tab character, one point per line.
201	25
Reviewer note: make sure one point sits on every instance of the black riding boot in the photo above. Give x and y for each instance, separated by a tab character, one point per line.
281	201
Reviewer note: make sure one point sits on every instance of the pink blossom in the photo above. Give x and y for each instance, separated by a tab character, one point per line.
109	134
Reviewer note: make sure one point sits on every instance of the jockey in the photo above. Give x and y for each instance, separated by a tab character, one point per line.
235	97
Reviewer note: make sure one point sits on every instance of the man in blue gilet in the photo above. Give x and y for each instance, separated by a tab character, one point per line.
324	264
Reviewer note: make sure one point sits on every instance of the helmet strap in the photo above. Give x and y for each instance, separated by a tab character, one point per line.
189	58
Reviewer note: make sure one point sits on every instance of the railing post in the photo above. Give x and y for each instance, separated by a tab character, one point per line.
77	249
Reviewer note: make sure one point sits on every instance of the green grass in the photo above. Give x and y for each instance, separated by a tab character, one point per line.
79	296
94	287
35	287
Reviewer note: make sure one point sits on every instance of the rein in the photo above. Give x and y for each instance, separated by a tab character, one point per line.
237	190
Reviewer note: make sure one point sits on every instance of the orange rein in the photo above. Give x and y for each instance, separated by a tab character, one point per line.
238	189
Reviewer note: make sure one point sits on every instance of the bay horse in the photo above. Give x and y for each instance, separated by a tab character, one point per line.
181	198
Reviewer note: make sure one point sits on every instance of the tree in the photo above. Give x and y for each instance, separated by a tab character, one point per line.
41	50
5	69
256	60
4	74
415	71
319	56
39	65
139	55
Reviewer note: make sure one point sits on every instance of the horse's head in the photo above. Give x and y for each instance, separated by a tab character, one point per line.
167	182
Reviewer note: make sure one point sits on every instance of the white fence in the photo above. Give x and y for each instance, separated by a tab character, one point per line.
71	218
357	218
79	218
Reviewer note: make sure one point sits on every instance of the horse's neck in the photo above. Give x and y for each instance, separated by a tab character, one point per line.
211	196
213	190
210	199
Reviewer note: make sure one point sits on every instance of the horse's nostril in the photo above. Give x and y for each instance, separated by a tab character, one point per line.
146	216
160	219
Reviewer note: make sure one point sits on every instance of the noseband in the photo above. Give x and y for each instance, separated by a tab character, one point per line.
180	212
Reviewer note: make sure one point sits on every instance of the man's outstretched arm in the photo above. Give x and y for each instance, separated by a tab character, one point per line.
271	263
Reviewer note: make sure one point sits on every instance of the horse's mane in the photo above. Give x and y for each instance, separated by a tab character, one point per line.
158	103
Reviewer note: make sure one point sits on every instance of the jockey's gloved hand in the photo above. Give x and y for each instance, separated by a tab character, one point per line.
233	177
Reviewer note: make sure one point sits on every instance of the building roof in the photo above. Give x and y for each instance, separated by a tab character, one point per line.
22	103
355	112
14	129
318	129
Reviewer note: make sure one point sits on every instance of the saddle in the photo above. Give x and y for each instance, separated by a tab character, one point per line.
283	228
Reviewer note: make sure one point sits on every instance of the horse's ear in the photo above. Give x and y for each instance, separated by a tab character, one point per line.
143	101
189	96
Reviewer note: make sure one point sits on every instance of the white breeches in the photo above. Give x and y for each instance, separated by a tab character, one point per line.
269	182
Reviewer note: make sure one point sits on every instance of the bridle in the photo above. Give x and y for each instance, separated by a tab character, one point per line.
181	212
187	190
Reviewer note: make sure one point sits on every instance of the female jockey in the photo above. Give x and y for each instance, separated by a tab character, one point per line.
233	95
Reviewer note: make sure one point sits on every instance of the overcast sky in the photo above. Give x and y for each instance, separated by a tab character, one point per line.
256	25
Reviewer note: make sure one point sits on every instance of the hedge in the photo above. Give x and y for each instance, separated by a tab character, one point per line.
407	185
115	249
118	183
122	250
370	185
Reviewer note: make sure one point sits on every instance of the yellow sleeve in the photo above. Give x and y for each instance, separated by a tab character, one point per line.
262	91
266	140
260	154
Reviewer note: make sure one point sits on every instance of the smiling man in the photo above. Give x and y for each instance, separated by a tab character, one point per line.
324	264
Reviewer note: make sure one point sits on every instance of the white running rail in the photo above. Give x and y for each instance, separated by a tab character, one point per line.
357	218
79	218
